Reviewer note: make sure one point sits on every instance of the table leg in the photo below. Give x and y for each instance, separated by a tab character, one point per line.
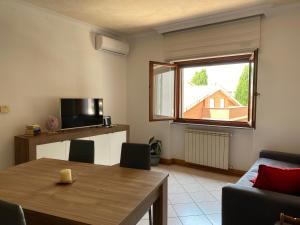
160	206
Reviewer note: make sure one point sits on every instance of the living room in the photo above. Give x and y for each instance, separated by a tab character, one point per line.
48	52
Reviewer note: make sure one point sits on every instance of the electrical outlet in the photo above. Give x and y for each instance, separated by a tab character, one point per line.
4	109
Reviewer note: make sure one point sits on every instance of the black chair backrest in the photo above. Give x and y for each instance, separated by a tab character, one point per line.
135	156
82	151
11	214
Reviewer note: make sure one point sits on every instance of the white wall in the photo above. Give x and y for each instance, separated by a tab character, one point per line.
141	51
44	56
278	82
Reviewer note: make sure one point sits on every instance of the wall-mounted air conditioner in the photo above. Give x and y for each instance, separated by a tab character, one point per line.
111	45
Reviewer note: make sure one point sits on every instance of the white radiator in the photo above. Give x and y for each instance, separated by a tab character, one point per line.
207	148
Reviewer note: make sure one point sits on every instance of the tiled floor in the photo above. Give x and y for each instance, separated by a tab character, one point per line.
194	196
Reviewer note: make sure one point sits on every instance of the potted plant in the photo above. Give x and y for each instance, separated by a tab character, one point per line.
155	150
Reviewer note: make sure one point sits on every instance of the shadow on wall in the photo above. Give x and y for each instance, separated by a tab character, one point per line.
49	106
93	39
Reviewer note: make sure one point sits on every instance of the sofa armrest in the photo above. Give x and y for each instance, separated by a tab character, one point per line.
248	206
281	156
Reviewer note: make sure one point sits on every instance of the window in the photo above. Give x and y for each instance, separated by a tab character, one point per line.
214	91
211	103
222	103
162	83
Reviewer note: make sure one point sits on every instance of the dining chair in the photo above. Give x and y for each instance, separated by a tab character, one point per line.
11	214
82	151
136	156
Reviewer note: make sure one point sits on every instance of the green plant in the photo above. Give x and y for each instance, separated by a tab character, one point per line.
155	146
242	89
200	78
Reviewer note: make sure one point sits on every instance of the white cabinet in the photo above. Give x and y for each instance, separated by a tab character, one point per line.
116	140
85	138
56	150
67	149
107	148
102	149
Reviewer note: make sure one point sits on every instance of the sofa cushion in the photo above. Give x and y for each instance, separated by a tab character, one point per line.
252	172
284	180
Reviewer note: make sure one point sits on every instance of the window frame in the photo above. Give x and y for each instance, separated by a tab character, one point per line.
251	58
151	89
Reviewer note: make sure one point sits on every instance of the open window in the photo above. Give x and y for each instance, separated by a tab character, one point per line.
162	88
215	91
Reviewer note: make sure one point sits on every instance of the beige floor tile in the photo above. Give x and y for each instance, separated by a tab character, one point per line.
143	222
202	196
146	216
195	220
172	180
214	186
186	179
217	194
180	198
193	187
176	189
171	212
187	209
206	180
174	221
194	196
210	207
215	219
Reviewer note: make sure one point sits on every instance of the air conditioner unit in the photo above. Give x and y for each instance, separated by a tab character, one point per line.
111	45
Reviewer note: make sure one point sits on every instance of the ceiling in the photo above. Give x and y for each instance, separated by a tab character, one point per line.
134	16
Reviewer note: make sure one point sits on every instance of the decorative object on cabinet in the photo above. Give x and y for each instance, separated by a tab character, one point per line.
107	121
32	130
52	124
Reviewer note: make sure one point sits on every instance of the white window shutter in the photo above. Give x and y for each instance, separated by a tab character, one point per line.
234	37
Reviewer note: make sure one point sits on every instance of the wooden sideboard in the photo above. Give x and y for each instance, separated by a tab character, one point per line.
108	141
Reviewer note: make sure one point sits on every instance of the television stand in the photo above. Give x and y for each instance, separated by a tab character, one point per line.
108	141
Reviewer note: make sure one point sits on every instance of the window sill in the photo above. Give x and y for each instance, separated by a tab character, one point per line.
208	123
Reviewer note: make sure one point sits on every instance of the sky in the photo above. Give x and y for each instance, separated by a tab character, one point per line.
225	75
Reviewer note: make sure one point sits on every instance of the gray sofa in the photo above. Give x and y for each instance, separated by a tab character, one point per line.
244	205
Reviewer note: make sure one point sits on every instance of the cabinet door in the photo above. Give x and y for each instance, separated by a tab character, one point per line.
67	147
85	138
102	149
116	140
56	150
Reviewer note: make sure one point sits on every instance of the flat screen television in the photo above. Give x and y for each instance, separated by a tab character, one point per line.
81	112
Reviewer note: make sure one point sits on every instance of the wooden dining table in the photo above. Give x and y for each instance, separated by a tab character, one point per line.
104	195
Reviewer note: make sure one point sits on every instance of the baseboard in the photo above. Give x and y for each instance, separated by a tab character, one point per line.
166	161
232	172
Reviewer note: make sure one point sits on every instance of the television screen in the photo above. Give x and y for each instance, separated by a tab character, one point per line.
81	112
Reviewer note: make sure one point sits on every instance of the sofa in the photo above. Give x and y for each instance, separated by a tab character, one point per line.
243	204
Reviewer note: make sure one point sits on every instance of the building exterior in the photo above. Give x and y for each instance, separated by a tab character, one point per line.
217	105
